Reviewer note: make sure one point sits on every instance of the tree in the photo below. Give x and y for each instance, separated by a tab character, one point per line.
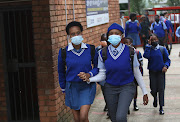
137	6
173	2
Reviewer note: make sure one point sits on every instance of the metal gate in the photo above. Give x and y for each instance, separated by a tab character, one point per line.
21	88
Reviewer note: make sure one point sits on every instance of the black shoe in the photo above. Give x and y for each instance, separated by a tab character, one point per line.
136	108
105	108
161	112
155	102
128	111
108	117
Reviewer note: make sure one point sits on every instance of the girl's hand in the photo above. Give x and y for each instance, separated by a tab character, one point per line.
145	99
164	69
84	76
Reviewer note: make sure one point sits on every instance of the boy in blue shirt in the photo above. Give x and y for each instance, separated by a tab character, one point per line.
158	63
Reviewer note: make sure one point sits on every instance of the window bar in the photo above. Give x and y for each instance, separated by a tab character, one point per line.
19	70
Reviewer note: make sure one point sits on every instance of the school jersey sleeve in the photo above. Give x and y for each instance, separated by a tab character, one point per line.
61	72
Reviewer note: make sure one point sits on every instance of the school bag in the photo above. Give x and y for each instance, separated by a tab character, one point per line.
63	54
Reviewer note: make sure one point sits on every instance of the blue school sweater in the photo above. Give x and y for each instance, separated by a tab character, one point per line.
131	27
119	72
158	29
155	58
75	64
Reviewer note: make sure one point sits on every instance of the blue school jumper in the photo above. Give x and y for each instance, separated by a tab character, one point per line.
155	58
158	28
78	92
132	31
118	69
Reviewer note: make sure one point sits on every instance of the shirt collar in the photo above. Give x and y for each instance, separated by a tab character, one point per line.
118	48
158	22
157	47
70	46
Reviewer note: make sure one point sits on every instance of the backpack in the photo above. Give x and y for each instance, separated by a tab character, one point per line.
63	54
131	50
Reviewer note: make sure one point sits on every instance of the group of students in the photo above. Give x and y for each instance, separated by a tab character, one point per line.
114	65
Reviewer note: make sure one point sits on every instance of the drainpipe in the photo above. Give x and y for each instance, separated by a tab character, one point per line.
66	18
73	11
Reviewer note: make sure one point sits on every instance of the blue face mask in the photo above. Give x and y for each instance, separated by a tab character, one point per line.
77	40
114	39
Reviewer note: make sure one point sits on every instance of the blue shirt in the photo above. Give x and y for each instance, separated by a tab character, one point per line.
159	28
169	25
178	32
76	62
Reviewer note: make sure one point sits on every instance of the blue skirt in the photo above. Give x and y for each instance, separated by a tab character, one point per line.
135	37
79	93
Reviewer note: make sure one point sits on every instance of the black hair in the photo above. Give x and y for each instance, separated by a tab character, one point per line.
73	23
153	34
131	40
132	15
157	15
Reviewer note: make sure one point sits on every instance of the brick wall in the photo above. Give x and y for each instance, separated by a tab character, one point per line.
59	37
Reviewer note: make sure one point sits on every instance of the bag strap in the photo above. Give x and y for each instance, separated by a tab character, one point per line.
104	54
92	53
162	51
63	55
131	50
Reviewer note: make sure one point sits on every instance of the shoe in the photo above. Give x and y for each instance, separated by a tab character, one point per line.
108	117
161	112
136	108
105	108
128	111
155	102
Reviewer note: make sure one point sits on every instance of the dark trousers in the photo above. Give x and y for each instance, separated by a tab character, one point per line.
118	100
145	42
157	85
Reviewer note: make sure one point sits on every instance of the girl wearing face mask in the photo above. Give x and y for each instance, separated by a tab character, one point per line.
72	60
158	63
116	70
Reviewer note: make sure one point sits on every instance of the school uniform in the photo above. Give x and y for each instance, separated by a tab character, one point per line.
119	87
159	29
156	61
132	31
78	92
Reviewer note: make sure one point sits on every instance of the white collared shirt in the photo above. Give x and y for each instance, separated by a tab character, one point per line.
70	46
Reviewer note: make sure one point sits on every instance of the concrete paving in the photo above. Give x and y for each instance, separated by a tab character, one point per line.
149	113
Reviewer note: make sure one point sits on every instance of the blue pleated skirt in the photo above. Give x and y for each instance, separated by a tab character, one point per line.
79	93
135	37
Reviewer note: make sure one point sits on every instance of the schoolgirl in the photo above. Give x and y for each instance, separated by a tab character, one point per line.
75	58
132	29
119	75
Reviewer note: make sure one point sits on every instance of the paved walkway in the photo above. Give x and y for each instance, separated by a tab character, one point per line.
149	113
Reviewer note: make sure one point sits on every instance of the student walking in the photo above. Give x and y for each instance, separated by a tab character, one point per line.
170	32
132	29
129	41
103	43
118	65
178	35
75	58
158	63
160	29
144	33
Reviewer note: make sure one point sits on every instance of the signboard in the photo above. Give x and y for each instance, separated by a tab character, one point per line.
96	12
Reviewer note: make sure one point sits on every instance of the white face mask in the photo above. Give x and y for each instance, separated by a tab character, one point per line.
77	40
